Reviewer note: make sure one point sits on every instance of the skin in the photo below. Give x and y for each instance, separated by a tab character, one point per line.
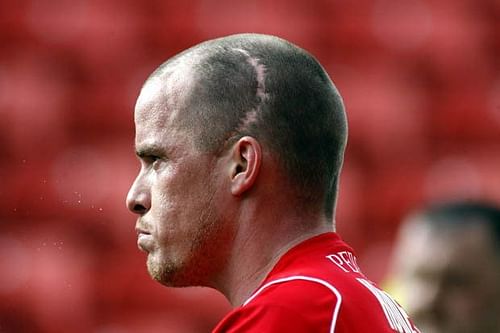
449	278
216	220
173	192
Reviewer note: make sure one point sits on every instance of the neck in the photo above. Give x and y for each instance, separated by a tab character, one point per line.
261	240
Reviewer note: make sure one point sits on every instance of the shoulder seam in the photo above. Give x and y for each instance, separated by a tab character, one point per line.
310	279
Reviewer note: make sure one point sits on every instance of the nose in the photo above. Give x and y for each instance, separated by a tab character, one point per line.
138	198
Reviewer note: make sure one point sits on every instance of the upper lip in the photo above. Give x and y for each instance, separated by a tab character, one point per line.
140	230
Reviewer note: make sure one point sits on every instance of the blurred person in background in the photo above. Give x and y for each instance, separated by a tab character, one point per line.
446	268
241	141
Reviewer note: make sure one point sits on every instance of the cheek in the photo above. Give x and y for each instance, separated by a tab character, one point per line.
179	201
163	214
161	202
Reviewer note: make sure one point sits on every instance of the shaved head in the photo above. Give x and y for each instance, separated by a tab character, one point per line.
265	87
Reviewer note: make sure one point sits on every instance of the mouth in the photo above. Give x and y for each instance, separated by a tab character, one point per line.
144	239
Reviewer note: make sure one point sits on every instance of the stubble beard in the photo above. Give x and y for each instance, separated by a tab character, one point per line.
163	272
197	268
174	273
205	259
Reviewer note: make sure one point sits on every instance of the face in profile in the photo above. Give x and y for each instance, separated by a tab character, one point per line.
450	278
176	193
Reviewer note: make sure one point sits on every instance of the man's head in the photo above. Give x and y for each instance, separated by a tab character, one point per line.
447	266
207	120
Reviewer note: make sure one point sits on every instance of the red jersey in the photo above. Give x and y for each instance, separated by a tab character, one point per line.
317	286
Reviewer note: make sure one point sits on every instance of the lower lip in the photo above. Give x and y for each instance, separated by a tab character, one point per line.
144	241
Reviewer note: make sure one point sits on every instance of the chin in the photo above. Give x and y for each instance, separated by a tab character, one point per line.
167	273
161	272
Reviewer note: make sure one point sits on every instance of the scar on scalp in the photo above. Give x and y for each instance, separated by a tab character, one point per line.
260	71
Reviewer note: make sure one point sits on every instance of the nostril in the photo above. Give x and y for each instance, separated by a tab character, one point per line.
139	208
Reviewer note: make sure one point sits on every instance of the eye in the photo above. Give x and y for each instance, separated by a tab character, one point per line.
151	161
157	162
150	158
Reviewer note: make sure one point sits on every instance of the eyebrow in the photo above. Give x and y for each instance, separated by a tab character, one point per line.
149	150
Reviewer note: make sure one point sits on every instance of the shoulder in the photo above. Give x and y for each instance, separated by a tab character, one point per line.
295	303
295	289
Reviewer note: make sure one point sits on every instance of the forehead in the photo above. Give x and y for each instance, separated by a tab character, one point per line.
161	102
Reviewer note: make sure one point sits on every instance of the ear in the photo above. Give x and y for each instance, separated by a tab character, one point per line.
245	167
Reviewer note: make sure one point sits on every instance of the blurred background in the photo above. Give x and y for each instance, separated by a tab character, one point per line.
420	80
